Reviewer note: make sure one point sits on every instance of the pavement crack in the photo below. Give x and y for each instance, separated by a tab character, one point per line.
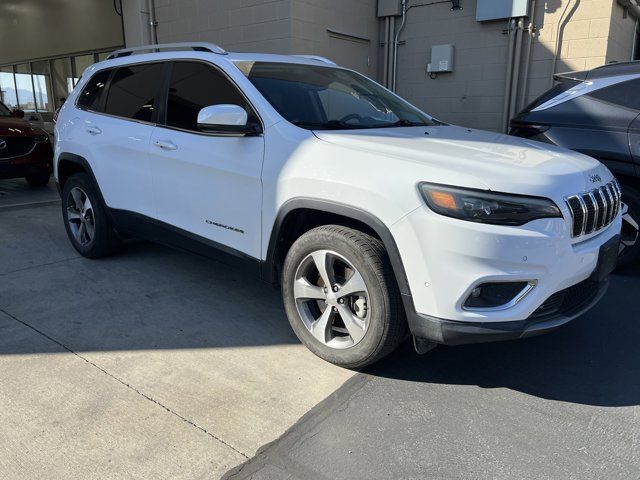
30	267
127	385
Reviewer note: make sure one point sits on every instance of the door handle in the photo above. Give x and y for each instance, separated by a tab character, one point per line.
165	145
93	130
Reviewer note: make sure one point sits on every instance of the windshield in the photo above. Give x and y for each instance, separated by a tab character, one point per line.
4	111
326	98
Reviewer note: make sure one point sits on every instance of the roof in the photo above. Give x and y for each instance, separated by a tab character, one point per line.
609	70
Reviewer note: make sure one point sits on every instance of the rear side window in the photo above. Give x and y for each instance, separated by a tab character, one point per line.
91	96
625	94
133	91
194	86
550	94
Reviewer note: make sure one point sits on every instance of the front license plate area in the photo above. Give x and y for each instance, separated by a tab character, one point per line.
607	259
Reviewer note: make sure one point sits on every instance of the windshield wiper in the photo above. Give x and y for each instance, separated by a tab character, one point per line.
406	123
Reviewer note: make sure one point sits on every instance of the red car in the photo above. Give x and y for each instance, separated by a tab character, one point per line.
25	151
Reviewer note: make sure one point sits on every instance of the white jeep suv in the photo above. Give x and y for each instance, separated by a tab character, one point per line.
374	218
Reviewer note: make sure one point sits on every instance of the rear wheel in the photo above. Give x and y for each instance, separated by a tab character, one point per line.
38	179
87	223
629	244
341	297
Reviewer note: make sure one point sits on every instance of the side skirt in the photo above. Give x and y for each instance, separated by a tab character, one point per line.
147	228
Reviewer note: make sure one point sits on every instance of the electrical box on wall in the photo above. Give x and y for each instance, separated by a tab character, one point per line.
441	59
389	8
500	9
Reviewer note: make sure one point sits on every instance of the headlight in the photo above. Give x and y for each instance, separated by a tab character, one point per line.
487	207
43	137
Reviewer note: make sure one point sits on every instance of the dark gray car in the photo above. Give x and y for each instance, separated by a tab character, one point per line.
596	112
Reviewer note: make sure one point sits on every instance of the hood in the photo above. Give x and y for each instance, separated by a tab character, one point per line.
16	127
479	159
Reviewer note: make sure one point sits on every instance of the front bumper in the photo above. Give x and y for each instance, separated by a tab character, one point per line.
38	160
450	332
445	259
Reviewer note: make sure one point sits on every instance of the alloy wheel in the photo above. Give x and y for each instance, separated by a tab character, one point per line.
332	299
80	216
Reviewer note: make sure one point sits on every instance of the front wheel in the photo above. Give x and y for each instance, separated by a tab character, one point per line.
341	297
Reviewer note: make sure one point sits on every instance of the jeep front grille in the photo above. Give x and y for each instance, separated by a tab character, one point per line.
594	210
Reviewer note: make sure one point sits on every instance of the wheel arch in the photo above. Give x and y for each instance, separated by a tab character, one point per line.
69	164
299	215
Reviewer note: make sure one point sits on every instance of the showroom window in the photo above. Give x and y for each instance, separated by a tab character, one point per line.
133	91
42	86
195	86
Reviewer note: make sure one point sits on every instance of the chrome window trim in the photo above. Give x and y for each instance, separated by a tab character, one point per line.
162	125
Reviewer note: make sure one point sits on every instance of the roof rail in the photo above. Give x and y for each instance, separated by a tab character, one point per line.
195	46
319	58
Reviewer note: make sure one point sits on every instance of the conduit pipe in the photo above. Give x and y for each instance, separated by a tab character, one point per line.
395	45
153	23
509	78
515	80
527	56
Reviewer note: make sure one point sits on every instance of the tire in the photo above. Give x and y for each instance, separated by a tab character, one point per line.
38	180
376	322
629	238
83	209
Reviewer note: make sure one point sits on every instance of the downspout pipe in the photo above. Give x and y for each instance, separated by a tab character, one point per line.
392	29
517	57
395	45
153	23
509	77
527	56
385	62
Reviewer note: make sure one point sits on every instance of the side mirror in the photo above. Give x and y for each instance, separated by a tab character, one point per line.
224	118
17	113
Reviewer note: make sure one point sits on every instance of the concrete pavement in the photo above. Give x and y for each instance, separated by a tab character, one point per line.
150	364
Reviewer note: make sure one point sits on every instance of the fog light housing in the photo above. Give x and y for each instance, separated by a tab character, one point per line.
497	295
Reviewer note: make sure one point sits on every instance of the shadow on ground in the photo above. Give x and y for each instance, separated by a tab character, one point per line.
594	360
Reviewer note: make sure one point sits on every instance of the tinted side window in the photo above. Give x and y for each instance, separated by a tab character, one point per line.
91	96
195	86
133	91
625	94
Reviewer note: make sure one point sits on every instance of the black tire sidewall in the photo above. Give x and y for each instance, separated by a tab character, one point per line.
379	301
101	242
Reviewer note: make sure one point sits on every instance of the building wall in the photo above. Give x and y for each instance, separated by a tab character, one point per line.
568	35
583	33
246	25
267	26
35	29
344	31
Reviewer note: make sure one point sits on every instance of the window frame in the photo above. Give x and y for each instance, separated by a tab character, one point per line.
156	101
103	99
164	97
